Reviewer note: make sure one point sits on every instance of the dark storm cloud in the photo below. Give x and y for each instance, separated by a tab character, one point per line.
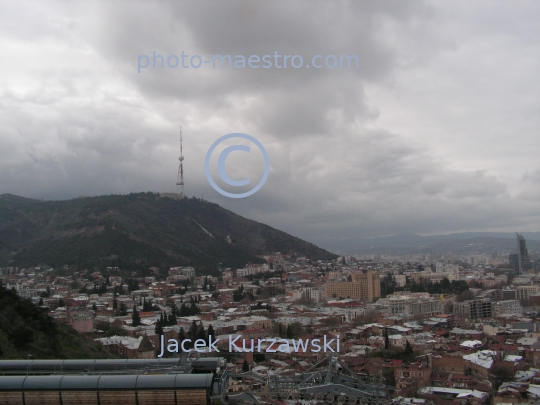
434	132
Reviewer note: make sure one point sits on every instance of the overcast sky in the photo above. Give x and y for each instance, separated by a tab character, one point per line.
436	131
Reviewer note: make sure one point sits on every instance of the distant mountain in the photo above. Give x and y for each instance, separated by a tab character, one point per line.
457	243
136	230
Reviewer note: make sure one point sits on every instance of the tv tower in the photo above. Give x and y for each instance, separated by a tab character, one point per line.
180	178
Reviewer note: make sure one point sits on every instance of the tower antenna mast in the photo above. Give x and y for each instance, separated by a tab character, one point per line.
180	178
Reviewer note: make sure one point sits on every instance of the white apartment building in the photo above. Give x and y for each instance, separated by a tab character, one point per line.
400	279
312	293
408	305
450	270
185	271
507	307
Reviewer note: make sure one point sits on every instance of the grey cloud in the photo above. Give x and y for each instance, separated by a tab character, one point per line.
430	134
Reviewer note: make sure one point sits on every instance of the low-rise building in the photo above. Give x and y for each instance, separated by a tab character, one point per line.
507	307
412	305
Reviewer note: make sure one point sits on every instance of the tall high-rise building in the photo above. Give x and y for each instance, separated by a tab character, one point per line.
513	260
524	262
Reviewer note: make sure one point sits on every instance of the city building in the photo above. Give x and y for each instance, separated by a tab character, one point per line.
507	307
524	291
310	293
513	260
524	262
366	286
414	305
472	309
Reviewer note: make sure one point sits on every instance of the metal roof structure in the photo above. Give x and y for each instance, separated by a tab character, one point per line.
105	382
182	365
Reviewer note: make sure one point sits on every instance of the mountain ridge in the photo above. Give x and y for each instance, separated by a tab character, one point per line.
136	230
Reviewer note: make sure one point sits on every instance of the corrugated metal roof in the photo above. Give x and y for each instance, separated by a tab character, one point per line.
81	365
105	382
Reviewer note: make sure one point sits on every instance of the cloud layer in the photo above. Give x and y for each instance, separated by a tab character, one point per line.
436	131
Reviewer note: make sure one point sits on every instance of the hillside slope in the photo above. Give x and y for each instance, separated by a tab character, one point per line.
26	329
136	229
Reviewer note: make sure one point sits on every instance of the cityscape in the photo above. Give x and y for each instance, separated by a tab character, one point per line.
251	202
433	329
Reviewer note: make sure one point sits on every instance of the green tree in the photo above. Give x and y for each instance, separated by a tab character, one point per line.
123	309
389	377
135	317
238	294
465	296
290	334
181	335
172	319
211	332
408	348
192	332
501	374
47	293
201	333
245	366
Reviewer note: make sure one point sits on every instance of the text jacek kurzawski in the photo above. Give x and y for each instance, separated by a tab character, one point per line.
266	345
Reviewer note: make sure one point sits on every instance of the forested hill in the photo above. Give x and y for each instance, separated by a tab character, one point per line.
26	330
133	230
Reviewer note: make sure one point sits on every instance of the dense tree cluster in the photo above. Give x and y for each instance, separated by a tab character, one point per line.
191	309
166	320
208	286
132	284
148	306
290	331
196	331
46	293
26	329
240	294
445	286
166	234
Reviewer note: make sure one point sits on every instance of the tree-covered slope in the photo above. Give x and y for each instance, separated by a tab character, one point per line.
27	330
136	229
